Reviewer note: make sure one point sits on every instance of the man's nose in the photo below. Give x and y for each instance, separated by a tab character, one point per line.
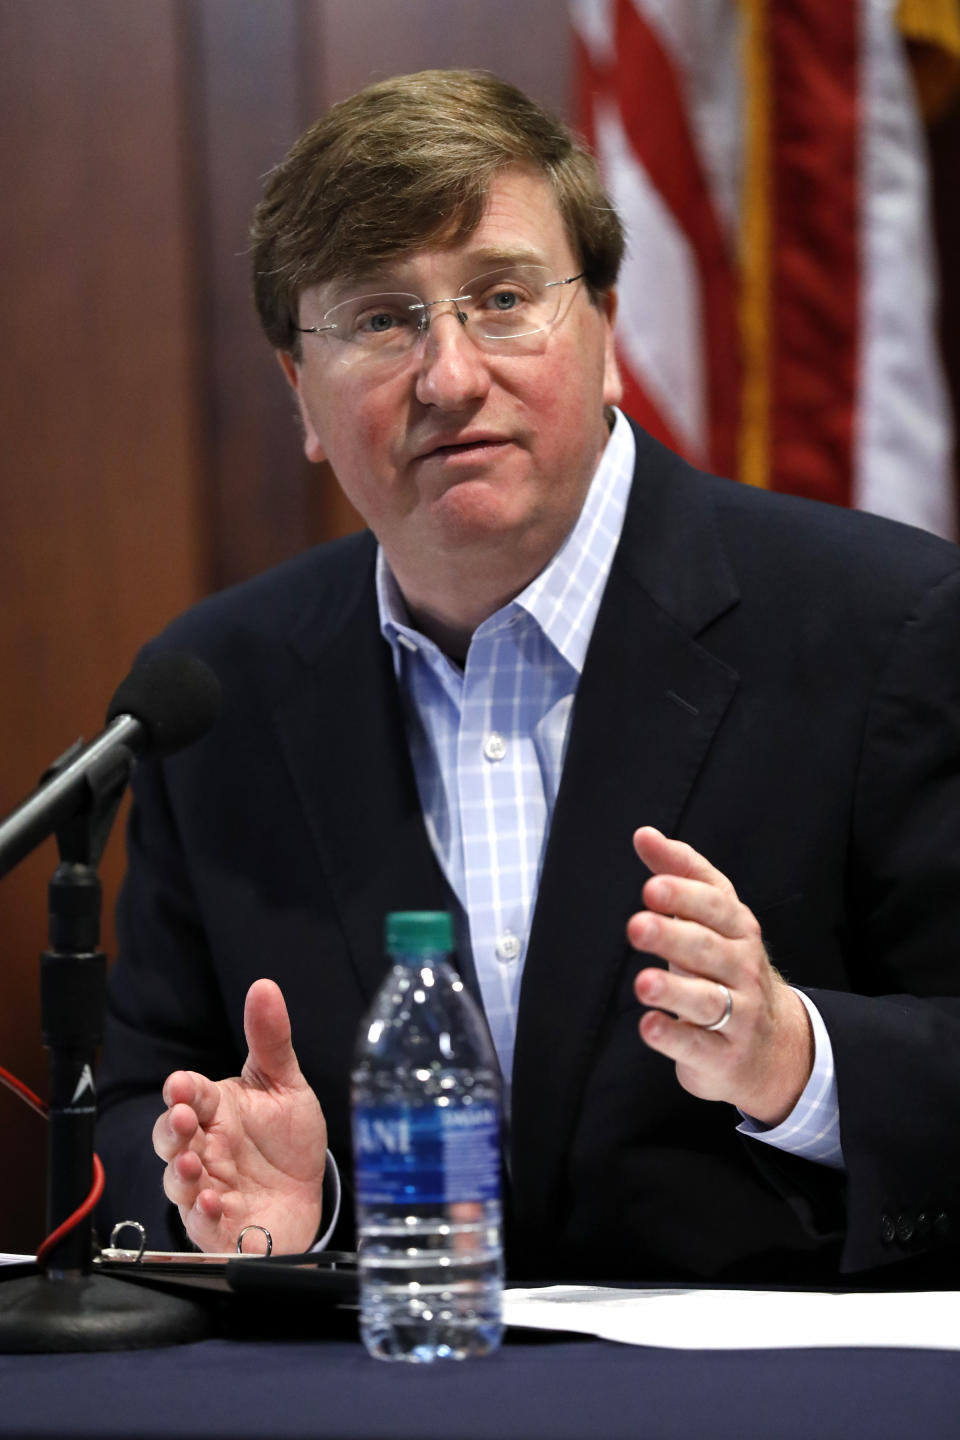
452	370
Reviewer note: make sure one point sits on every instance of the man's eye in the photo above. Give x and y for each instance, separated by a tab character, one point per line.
376	322
504	299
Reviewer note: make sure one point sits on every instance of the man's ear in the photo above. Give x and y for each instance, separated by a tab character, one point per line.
612	383
311	441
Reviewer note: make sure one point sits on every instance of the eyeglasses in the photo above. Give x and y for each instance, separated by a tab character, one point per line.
510	304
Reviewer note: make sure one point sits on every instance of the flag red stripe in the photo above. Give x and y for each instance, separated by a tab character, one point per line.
815	295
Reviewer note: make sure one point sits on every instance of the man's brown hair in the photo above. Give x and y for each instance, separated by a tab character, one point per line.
408	162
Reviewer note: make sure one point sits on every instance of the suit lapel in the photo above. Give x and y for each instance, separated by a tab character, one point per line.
341	729
648	704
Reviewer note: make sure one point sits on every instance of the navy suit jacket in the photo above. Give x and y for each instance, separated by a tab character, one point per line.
776	682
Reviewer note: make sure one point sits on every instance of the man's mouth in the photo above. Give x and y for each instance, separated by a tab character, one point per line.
468	447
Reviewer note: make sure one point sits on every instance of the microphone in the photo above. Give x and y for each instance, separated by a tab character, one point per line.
163	705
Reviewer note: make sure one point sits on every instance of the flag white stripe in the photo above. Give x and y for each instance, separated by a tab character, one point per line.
593	21
903	442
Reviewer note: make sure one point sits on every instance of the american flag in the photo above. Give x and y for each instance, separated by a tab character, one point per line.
777	314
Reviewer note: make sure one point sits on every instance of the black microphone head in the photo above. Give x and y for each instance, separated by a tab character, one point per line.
176	698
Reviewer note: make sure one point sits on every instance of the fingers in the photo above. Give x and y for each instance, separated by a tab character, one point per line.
696	1001
271	1059
662	855
191	1101
179	1135
697	924
187	1087
686	946
693	948
185	1175
174	1131
705	1062
178	1139
705	903
690	905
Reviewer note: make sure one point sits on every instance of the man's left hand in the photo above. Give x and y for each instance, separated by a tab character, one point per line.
761	1059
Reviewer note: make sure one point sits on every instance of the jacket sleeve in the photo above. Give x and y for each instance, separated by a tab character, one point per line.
164	1012
896	1037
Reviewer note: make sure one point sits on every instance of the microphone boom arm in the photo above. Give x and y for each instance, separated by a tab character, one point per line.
72	786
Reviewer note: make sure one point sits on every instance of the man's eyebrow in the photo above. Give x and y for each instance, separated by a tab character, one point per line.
475	262
494	258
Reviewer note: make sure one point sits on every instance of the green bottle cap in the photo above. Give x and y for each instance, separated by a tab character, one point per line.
417	932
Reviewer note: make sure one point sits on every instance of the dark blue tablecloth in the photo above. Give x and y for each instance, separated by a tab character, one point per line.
554	1388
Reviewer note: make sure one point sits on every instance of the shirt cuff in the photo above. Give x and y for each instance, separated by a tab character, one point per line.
812	1129
331	1201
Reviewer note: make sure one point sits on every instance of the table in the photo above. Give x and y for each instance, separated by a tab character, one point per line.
537	1388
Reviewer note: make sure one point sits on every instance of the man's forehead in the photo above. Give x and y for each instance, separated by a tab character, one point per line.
521	225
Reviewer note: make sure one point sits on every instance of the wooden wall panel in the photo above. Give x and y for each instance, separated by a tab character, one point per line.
98	512
247	105
526	42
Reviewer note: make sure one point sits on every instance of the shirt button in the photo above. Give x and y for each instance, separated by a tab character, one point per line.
494	747
508	946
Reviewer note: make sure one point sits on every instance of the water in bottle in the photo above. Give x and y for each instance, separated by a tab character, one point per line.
426	1131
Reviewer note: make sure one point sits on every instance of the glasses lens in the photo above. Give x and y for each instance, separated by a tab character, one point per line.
376	323
509	303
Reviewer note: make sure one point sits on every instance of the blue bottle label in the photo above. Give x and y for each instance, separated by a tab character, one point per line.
426	1154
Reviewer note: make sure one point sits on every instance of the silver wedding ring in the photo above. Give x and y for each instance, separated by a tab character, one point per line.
727	1009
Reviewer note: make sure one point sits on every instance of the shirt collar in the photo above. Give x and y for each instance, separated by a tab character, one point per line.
565	597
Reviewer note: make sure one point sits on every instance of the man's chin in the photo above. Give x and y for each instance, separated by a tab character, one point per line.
474	510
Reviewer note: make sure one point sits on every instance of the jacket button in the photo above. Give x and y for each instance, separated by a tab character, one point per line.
904	1229
888	1231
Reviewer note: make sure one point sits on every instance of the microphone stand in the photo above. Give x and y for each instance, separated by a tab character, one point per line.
66	1305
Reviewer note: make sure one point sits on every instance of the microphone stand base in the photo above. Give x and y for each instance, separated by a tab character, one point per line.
42	1315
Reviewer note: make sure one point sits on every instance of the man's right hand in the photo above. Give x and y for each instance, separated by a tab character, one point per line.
250	1150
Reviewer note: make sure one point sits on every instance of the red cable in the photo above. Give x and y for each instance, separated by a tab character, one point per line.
96	1189
24	1091
81	1212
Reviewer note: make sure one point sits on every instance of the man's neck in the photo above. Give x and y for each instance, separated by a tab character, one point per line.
452	639
451	627
449	595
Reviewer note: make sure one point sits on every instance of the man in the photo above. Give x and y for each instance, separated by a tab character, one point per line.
641	730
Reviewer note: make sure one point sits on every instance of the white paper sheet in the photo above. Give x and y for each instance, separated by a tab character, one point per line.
742	1319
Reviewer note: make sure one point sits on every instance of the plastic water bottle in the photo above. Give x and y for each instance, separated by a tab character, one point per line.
426	1133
